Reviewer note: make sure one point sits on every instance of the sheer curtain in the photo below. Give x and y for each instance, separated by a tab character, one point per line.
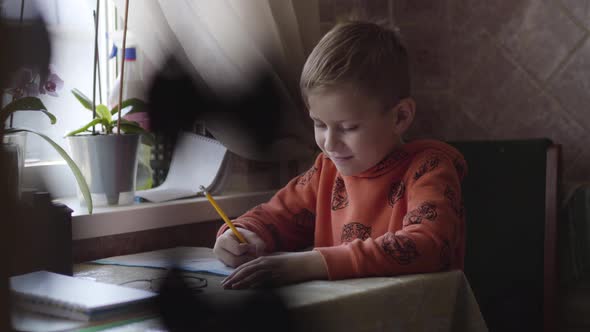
226	42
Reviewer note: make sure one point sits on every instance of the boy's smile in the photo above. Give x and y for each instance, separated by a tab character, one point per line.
354	130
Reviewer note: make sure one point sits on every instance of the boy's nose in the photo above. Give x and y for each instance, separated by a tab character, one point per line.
330	141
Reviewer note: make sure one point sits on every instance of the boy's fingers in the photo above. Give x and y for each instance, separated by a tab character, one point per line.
247	274
257	246
234	276
239	260
256	249
231	244
253	239
232	260
224	256
254	278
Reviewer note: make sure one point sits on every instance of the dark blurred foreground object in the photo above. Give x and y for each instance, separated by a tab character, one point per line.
250	119
24	44
173	99
42	235
184	308
8	210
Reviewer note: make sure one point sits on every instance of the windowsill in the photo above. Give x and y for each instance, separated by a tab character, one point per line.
144	216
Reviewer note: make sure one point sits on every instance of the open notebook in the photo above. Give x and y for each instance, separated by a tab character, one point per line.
197	160
74	298
194	259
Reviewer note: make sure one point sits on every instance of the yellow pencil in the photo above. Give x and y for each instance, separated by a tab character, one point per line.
223	215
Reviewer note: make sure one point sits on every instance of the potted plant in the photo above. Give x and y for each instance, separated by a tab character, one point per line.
106	149
108	157
23	96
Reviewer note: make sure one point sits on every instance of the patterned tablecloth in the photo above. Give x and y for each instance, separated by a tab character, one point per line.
423	302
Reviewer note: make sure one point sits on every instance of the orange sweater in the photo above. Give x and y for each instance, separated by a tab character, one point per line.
403	215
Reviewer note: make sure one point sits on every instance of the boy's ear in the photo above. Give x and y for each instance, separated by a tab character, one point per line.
404	114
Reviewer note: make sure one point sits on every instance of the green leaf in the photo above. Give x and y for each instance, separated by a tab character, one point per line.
26	104
143	167
130	127
149	182
103	112
137	105
148	139
88	125
82	184
51	117
108	126
85	101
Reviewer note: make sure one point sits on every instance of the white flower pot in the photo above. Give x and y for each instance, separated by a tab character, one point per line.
109	165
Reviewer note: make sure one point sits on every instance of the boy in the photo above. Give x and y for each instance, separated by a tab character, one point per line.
370	205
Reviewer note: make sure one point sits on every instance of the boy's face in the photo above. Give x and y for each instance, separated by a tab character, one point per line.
352	129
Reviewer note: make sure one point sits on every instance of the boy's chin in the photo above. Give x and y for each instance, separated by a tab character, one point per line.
355	168
348	171
345	173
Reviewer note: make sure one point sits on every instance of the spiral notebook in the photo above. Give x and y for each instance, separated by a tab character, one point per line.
79	299
197	160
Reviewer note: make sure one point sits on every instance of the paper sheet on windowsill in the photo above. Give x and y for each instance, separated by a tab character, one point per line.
196	161
194	259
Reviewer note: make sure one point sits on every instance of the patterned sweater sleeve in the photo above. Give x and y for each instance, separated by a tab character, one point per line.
287	221
431	230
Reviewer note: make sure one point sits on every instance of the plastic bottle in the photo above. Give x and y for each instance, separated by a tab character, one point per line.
133	84
133	87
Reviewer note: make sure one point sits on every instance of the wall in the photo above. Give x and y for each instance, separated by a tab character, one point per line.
494	69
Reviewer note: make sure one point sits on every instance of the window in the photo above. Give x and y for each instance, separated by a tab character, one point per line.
225	27
71	32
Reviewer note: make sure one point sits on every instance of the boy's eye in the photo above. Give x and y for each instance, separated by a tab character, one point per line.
351	128
319	125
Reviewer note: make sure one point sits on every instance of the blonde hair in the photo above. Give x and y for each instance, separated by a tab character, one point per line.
369	56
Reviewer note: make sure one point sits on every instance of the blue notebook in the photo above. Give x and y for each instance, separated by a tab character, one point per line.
193	259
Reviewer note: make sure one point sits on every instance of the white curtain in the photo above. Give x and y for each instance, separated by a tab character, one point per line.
227	42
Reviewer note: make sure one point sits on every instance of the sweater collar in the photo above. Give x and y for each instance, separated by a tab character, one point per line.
391	161
404	152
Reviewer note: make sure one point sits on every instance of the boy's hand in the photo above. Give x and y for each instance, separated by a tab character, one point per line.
277	270
231	252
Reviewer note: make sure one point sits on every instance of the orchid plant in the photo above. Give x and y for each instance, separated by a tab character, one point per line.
23	95
107	121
